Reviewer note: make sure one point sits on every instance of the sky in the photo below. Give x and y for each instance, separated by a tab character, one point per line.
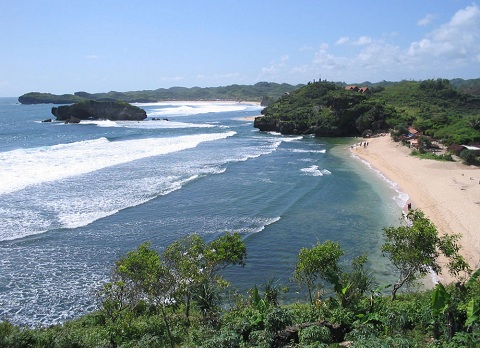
64	46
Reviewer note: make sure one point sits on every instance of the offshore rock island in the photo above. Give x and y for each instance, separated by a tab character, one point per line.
95	110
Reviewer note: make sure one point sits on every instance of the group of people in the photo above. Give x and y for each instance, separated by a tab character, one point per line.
363	143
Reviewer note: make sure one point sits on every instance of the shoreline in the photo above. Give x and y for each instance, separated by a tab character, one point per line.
251	118
447	192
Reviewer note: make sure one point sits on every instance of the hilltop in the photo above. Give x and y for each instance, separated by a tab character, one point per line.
260	92
438	108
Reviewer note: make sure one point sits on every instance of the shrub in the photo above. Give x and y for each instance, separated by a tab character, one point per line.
314	334
340	316
305	313
278	319
464	339
19	339
258	339
469	157
225	339
149	341
395	341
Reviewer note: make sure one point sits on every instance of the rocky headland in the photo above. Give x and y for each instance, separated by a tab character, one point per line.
99	110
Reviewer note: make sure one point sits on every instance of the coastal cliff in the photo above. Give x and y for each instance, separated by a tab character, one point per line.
326	110
90	109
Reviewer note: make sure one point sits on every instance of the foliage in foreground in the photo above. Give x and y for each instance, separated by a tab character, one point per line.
173	299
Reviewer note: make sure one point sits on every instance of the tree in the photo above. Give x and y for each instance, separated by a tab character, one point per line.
228	249
474	122
184	258
321	261
147	279
414	248
187	269
355	283
196	266
115	302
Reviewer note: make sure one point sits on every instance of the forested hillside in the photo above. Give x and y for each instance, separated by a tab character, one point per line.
261	91
323	108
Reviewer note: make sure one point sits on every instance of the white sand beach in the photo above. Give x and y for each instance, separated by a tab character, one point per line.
447	192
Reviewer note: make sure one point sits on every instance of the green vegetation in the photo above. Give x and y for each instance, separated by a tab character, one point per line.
434	107
324	109
432	156
178	298
39	98
414	249
264	92
470	157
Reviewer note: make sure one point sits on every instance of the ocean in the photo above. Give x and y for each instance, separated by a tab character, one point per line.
76	197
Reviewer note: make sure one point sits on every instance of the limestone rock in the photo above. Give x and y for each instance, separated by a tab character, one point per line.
99	110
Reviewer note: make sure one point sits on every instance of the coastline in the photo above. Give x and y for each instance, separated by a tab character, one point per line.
447	192
251	118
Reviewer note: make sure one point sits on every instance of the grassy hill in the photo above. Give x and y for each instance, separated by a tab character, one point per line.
258	92
323	108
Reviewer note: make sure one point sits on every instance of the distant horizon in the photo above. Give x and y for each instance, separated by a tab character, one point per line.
302	83
60	47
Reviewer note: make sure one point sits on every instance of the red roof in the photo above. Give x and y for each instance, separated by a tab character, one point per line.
412	130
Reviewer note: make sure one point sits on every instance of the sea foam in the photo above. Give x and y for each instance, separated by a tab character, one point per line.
25	167
315	171
195	108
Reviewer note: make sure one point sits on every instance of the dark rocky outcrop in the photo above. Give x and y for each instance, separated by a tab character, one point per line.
267	124
95	110
73	120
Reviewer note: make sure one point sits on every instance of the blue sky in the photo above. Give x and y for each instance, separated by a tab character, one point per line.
64	46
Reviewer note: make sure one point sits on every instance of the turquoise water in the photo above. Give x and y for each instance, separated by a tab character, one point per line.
74	198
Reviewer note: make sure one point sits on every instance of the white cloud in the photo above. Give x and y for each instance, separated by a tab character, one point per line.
459	38
275	66
342	41
91	56
426	20
363	40
324	46
450	50
328	61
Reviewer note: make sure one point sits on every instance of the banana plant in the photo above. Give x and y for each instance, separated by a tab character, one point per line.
473	307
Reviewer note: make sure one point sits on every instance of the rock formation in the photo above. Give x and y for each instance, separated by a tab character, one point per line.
94	110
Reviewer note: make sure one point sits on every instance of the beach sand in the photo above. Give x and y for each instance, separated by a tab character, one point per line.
251	118
447	192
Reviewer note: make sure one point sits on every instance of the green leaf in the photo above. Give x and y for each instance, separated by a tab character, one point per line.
440	299
473	278
473	312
